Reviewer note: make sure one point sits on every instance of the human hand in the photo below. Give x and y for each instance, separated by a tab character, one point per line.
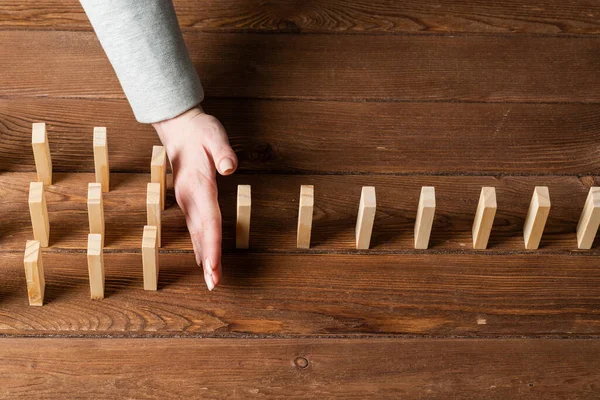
197	146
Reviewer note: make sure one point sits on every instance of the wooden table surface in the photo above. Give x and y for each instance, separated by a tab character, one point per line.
336	94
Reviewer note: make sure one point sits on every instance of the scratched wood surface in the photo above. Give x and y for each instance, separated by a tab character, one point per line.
337	94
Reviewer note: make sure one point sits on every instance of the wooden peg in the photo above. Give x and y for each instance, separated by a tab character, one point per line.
484	217
242	226
39	213
41	153
424	220
305	216
366	217
158	171
96	209
101	158
34	273
590	220
95	258
153	209
537	216
150	257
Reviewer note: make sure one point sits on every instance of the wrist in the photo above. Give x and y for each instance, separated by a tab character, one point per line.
175	126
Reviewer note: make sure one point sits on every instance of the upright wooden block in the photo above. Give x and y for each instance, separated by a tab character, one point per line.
95	258
424	220
484	217
242	226
39	213
305	216
158	171
96	209
590	220
537	216
34	273
41	153
150	257
366	217
153	209
101	158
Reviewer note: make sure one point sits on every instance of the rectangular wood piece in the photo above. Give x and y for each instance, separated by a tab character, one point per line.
101	158
95	259
589	220
242	225
41	153
539	209
305	216
425	214
484	217
158	171
95	206
34	273
366	217
153	209
150	257
38	210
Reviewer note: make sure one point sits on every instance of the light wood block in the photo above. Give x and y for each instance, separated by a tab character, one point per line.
484	217
305	216
537	216
41	153
96	209
366	217
95	259
34	273
425	214
153	209
158	171
150	257
242	226
38	210
101	158
590	220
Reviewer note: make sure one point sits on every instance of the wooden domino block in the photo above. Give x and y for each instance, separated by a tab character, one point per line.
95	258
242	226
537	216
96	209
366	217
39	213
153	209
41	153
484	217
150	257
158	171
34	273
590	220
101	158
305	216
424	220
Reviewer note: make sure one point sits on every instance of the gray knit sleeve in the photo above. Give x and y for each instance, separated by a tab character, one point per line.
143	42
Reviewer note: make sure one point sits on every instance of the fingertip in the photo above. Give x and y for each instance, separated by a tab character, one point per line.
227	166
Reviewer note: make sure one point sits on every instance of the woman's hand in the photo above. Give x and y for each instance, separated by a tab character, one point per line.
197	146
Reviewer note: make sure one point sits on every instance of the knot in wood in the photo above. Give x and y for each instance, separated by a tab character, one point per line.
301	362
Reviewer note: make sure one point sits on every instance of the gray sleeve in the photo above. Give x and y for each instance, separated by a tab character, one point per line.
143	42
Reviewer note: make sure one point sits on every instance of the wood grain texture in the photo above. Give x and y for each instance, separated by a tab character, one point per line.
297	369
297	136
466	295
328	67
275	212
353	16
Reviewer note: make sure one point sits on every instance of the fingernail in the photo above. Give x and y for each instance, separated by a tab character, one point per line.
226	166
209	282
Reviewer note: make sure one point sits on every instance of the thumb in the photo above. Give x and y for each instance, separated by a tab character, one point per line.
217	142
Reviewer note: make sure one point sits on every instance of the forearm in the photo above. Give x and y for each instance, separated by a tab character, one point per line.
143	42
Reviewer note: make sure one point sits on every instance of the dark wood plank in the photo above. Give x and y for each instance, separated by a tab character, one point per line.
275	211
328	137
330	67
466	295
299	369
355	16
